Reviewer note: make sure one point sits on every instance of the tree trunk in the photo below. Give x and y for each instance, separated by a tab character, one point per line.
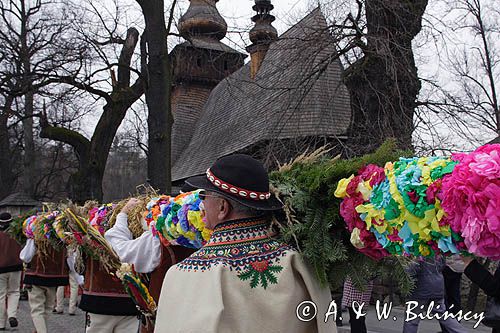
158	96
6	174
86	184
27	81
384	85
29	145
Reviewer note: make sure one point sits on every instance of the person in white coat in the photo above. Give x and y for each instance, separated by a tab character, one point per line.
146	253
244	279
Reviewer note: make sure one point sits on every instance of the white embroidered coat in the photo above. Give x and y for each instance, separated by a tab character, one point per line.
242	281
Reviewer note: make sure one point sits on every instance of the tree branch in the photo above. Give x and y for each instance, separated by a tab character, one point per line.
126	57
80	143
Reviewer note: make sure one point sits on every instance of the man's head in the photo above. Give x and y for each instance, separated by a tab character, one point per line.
235	186
5	220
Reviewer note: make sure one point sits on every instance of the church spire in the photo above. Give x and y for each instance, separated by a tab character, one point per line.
263	31
202	19
261	35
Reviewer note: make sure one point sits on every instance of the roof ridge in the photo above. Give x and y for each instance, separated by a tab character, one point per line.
312	13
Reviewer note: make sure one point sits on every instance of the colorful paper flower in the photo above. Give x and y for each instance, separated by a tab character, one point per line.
178	219
471	199
98	217
396	209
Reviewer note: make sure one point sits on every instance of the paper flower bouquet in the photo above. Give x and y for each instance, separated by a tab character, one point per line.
178	220
426	206
99	217
471	200
46	225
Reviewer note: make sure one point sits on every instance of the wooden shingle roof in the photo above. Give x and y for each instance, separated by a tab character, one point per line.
209	44
297	92
19	199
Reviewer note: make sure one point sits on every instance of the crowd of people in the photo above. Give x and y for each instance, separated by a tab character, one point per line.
245	279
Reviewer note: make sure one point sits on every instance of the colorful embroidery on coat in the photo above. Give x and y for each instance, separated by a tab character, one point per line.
261	272
245	247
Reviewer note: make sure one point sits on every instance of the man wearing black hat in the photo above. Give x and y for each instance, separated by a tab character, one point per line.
10	273
244	279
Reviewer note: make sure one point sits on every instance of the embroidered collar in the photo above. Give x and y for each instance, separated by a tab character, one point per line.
246	247
240	231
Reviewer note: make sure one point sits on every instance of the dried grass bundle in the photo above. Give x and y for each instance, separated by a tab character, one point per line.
135	215
306	158
92	241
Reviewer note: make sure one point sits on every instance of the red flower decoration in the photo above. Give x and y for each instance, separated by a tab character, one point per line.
373	172
413	196
351	188
260	266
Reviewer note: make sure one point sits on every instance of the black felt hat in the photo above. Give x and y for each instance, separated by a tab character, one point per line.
241	178
5	218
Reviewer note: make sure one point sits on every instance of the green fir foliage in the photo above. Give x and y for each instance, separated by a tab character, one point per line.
15	229
307	188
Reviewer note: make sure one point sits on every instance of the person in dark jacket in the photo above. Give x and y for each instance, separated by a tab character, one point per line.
483	278
10	273
45	273
429	287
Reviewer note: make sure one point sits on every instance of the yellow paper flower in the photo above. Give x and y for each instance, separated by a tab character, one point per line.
340	192
190	235
426	170
206	234
356	239
194	217
424	250
365	189
393	188
372	214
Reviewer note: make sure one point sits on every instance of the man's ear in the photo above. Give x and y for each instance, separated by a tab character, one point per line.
224	210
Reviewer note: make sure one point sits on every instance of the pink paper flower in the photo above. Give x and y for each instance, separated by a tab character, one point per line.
372	248
352	187
487	165
432	192
471	199
373	172
348	212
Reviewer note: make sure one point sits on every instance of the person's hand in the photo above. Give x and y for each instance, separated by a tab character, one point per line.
130	205
467	260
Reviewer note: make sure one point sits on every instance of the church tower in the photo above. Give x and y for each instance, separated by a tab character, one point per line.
199	64
261	35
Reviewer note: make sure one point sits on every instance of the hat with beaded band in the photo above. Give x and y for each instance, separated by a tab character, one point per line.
241	178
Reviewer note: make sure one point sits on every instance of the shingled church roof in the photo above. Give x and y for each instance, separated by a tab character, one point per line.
208	44
19	199
296	93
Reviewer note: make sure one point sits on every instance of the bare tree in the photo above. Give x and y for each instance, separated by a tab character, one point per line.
33	46
383	82
374	41
464	100
92	154
7	178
